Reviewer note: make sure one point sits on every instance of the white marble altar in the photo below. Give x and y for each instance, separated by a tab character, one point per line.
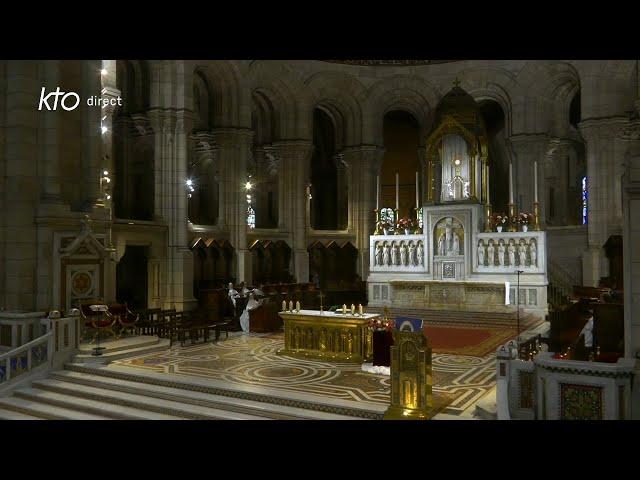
454	258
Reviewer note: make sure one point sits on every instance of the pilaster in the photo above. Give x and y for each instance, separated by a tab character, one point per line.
631	252
295	156
233	150
364	162
600	136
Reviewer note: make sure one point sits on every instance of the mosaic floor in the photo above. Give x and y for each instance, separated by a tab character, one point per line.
459	380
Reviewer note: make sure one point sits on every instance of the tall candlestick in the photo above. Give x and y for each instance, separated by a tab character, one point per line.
510	182
417	196
397	190
535	181
378	193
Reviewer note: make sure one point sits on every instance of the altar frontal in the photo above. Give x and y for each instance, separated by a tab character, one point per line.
327	335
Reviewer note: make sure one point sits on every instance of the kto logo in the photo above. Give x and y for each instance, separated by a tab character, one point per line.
65	102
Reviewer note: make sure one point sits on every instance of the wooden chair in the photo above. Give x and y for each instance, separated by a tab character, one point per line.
125	318
98	322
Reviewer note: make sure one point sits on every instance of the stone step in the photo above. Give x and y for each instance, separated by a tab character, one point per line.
126	343
162	344
486	408
11	415
257	393
91	407
44	410
240	405
140	401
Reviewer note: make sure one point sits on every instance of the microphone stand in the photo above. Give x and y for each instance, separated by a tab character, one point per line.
518	310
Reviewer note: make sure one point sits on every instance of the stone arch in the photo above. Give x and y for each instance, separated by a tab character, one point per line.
202	102
286	95
341	94
228	98
406	93
133	81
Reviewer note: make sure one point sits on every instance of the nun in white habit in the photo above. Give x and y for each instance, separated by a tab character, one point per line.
252	304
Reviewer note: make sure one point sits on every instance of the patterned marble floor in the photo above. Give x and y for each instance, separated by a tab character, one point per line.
459	380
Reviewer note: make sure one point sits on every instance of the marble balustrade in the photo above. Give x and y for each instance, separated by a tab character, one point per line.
501	252
398	253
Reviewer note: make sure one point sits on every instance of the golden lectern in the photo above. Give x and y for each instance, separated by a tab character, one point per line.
411	377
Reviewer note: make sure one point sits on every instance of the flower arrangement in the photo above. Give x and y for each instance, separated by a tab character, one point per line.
380	324
499	220
406	223
525	218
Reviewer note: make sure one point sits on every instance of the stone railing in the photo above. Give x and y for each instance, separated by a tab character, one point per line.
554	389
18	328
398	253
35	355
502	252
58	341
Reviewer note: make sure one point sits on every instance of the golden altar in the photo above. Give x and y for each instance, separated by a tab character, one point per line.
327	335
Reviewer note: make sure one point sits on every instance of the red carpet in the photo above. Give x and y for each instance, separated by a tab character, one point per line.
467	340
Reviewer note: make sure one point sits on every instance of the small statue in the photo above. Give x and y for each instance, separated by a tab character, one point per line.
512	253
481	253
394	254
501	252
403	255
533	251
387	255
412	254
491	254
441	247
378	256
522	252
456	244
420	254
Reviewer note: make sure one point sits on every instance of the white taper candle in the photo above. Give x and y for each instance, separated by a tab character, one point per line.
397	190
535	181
510	183
417	196
378	193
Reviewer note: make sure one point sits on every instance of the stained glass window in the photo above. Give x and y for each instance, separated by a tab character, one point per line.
585	199
251	217
388	215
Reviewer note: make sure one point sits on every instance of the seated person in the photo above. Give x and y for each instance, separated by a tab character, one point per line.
244	318
233	294
258	291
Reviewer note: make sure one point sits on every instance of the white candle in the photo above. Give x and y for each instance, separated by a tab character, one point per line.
378	193
284	305
417	196
510	183
397	190
535	181
488	183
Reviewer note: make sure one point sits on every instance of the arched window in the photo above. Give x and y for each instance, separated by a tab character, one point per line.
387	215
585	199
251	217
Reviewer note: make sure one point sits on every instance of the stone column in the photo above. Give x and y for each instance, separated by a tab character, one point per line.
365	163
171	132
20	194
554	174
631	251
602	183
295	156
91	135
233	150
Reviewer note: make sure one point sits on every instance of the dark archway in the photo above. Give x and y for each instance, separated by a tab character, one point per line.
132	278
327	211
401	140
494	120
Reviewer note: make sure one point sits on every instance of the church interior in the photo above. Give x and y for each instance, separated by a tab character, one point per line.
319	239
